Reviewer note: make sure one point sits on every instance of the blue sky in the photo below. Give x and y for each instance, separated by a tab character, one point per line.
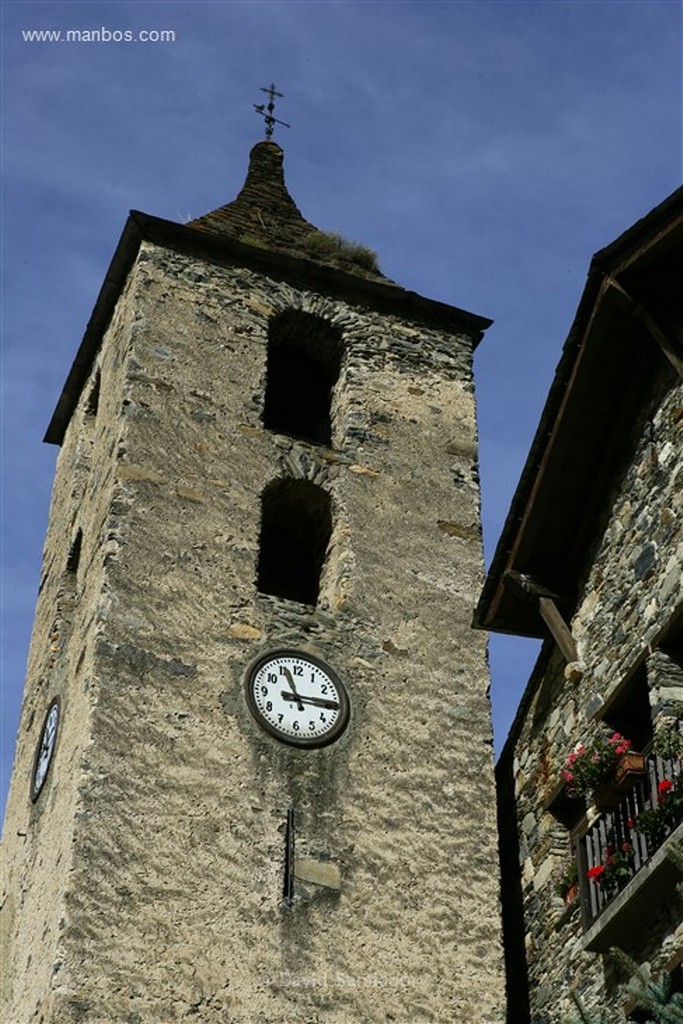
484	149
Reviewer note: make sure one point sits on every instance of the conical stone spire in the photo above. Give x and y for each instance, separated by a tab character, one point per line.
265	215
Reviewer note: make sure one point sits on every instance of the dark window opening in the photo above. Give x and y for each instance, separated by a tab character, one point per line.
94	397
569	810
74	554
296	523
304	356
629	712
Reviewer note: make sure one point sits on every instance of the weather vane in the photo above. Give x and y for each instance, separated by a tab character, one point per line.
261	108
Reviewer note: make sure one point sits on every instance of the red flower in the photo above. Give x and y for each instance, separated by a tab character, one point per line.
619	743
630	822
578	751
665	786
595	873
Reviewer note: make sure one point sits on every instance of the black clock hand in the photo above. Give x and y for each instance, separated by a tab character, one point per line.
291	682
318	702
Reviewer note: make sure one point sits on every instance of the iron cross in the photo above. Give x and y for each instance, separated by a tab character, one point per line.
260	108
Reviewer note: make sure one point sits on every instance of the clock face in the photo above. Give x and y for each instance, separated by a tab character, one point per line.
297	698
45	749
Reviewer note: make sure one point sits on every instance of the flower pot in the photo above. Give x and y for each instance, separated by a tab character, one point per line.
631	767
571	893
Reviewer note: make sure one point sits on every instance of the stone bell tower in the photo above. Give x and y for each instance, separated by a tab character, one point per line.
253	781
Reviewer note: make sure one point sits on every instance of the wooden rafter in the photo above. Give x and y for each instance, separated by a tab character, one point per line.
550	613
670	346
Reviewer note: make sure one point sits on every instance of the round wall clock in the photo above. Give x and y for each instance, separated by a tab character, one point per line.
45	748
297	698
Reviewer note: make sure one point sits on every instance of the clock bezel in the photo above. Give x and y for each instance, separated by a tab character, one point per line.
36	790
302	742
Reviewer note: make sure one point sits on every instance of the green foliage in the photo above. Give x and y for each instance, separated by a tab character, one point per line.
591	764
565	877
669	741
250	239
653	825
332	244
656	822
656	998
616	869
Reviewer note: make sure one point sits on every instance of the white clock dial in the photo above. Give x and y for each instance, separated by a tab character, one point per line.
45	749
297	698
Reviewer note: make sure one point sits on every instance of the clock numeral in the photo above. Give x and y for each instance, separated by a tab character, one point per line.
295	726
264	691
323	688
272	678
298	670
311	725
280	717
269	705
322	717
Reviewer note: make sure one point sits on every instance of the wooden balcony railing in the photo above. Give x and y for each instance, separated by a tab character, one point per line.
613	851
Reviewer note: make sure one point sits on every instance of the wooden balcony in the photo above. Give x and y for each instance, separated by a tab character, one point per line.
638	869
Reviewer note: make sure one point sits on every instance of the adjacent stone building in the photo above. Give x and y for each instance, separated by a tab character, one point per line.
591	559
253	780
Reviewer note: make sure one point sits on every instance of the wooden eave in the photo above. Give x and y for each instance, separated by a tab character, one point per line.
603	375
383	295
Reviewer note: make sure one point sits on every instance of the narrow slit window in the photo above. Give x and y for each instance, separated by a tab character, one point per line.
74	554
93	397
304	357
296	523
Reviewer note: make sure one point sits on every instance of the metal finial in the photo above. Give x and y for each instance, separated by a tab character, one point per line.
260	108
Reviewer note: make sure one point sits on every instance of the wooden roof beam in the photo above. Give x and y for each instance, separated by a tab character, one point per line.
549	612
670	346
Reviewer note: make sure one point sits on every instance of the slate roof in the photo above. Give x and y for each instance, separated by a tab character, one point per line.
601	381
264	214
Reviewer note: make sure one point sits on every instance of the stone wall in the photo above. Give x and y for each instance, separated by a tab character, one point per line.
37	846
631	588
169	903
